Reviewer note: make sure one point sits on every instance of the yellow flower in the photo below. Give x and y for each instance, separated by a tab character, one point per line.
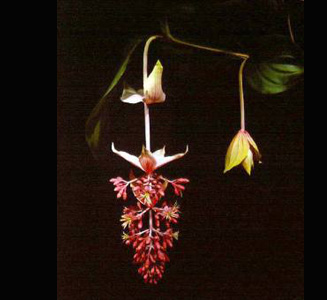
175	235
242	150
171	212
125	236
126	221
152	93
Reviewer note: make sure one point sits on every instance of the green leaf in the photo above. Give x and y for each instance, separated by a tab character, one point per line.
93	139
98	119
274	77
278	67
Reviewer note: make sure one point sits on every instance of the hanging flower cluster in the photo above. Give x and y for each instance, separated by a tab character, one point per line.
148	225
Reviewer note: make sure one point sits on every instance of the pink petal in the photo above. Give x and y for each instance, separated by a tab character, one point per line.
161	160
130	158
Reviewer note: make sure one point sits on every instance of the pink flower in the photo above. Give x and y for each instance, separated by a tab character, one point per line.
148	161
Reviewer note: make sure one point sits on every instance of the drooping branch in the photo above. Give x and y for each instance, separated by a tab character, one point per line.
201	47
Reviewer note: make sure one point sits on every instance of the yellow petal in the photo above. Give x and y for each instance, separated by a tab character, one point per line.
248	162
254	147
153	87
237	151
175	235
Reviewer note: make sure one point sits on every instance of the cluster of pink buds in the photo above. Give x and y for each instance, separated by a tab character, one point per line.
120	187
150	239
149	189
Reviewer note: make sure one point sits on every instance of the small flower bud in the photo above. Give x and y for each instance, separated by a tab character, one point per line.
153	86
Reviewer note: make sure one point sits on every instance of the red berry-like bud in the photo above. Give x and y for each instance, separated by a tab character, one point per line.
161	255
152	259
140	224
170	244
157	245
152	271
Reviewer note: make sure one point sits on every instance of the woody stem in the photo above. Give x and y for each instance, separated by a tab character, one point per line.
242	108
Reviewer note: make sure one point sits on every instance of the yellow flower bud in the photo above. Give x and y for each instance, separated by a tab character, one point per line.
242	150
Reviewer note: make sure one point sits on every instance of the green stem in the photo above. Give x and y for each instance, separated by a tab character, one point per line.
244	56
242	108
240	55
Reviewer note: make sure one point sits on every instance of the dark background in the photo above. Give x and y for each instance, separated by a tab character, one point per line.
241	237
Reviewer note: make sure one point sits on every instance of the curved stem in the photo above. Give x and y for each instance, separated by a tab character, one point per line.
244	56
240	55
146	108
242	108
145	57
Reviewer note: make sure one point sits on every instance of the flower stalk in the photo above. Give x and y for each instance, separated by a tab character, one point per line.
201	47
146	107
147	127
242	105
211	49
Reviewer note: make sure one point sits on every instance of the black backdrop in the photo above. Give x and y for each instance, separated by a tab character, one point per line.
241	237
